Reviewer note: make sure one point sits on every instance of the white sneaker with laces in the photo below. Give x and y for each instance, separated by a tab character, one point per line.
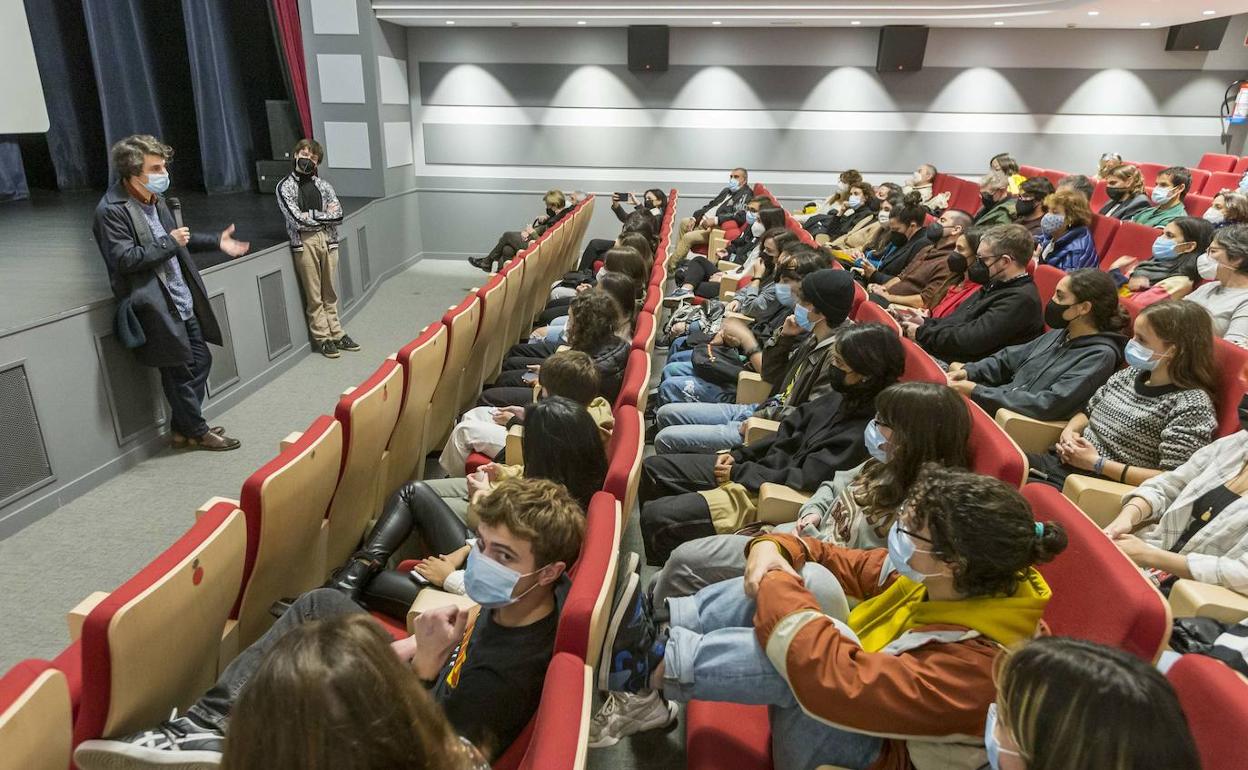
623	714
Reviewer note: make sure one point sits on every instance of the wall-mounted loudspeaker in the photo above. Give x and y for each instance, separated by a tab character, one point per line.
1197	36
647	47
901	49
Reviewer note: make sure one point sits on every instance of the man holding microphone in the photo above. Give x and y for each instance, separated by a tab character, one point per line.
163	311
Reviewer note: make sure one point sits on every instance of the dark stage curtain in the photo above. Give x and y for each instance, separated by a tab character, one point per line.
220	105
290	39
12	176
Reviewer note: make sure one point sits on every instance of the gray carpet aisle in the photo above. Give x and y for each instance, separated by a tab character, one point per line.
96	542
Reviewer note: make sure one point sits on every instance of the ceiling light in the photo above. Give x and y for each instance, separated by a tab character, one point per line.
1094	13
1208	13
449	21
854	23
581	23
716	23
998	24
1146	24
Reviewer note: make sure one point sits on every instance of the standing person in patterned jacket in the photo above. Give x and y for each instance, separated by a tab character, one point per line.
312	213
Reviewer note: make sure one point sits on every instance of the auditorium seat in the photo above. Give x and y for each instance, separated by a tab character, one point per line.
368	413
1200	178
920	366
727	735
36	718
1221	181
1149	171
461	322
489	343
1230	360
534	277
1030	171
1214	162
1099	195
1047	278
523	281
992	452
869	312
1241	166
624	455
1054	176
643	337
1103	230
587	608
182	599
635	386
1132	240
1197	205
1215	701
1098	593
559	738
284	503
421	360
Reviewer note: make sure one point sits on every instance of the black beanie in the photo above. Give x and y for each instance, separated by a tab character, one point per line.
831	292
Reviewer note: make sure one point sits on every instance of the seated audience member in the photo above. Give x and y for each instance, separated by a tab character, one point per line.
908	241
1108	161
627	295
1079	183
1229	207
1196	517
762	299
1004	311
729	202
1029	206
905	678
1066	242
487	676
1002	163
1149	417
698	276
921	183
1175	252
998	204
866	234
1077	705
638	223
958	288
594	321
512	242
925	279
860	204
623	260
686	496
562	443
483	429
840	192
653	202
333	693
1124	184
745	245
1053	376
797	359
1168	193
1225	295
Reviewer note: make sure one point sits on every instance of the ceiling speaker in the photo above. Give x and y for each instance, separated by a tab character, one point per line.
647	47
1197	36
901	49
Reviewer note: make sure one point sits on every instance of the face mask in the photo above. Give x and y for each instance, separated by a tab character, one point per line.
305	166
751	216
882	217
988	199
854	201
934	232
757	229
157	183
901	550
1116	193
978	272
836	378
916	178
991	745
601	272
1024	208
1139	356
1161	195
1051	223
802	316
489	583
897	240
733	185
1207	268
956	263
1214	216
784	293
550	212
875	442
1164	248
1053	315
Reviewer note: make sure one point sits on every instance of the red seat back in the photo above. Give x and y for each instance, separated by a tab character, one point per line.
1047	278
920	367
1230	360
1103	230
1200	178
593	580
636	378
1099	195
1215	701
727	735
866	312
992	452
1054	175
561	725
1098	593
1030	171
1221	181
645	331
1133	240
1214	162
624	457
1241	166
860	296
1197	205
1149	171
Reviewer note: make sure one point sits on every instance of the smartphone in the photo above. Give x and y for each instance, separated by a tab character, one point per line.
419	578
619	196
528	378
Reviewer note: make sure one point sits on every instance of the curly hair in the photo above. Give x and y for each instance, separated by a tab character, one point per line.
127	154
983	528
540	511
593	318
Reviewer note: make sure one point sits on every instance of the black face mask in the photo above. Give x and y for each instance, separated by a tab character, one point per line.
550	212
978	272
1053	315
987	199
1116	193
934	232
956	263
836	379
305	166
1024	207
897	240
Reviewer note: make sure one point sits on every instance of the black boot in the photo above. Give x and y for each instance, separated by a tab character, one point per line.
351	577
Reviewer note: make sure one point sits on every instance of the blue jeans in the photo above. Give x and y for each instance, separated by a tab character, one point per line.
681	368
687	388
712	654
699	428
680	356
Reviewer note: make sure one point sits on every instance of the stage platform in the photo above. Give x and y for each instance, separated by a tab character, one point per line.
49	263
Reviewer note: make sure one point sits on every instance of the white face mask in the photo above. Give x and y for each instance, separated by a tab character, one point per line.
882	217
1214	216
1207	268
757	229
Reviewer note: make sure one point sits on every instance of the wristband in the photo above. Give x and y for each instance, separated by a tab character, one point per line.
1122	479
1099	465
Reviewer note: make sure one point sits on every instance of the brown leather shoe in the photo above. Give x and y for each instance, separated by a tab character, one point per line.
179	441
214	442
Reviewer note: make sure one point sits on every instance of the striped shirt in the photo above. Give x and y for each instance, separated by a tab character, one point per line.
1148	426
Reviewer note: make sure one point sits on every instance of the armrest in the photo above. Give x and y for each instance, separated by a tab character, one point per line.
349	391
290	439
757	428
513	452
778	504
206	505
1194	599
431	599
714	242
78	615
751	388
727	266
1100	499
727	290
1030	435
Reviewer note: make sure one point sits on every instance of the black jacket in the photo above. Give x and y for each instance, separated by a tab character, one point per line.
814	441
1049	378
610	360
895	262
1127	208
726	204
997	316
135	262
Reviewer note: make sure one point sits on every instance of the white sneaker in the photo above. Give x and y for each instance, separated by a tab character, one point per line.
623	714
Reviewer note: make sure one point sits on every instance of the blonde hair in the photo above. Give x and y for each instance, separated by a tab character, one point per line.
1078	212
1125	172
556	199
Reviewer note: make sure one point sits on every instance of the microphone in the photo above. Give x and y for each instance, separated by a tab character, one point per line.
175	207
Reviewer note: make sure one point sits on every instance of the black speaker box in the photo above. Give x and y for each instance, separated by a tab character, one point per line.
901	48
1197	36
647	47
284	128
270	172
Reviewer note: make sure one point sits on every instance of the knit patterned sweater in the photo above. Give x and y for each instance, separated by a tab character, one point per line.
1148	426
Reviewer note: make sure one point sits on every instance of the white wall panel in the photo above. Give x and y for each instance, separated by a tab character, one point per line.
346	145
392	77
398	137
341	77
335	17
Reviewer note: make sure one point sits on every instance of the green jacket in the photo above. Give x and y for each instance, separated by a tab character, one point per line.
1000	214
1154	216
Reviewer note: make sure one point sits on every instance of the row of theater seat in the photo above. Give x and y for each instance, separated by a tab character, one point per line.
160	639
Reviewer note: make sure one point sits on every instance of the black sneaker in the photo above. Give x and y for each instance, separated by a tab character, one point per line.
179	744
634	644
482	263
346	343
327	348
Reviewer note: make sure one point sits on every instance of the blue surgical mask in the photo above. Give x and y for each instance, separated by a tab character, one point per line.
784	293
991	745
1164	248
876	441
1139	356
1161	194
751	216
733	185
901	550
157	183
489	583
802	317
854	201
1051	223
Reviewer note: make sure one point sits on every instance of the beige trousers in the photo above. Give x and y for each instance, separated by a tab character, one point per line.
689	237
317	266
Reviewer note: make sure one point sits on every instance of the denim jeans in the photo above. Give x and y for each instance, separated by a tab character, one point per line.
687	389
693	428
684	355
712	654
680	368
